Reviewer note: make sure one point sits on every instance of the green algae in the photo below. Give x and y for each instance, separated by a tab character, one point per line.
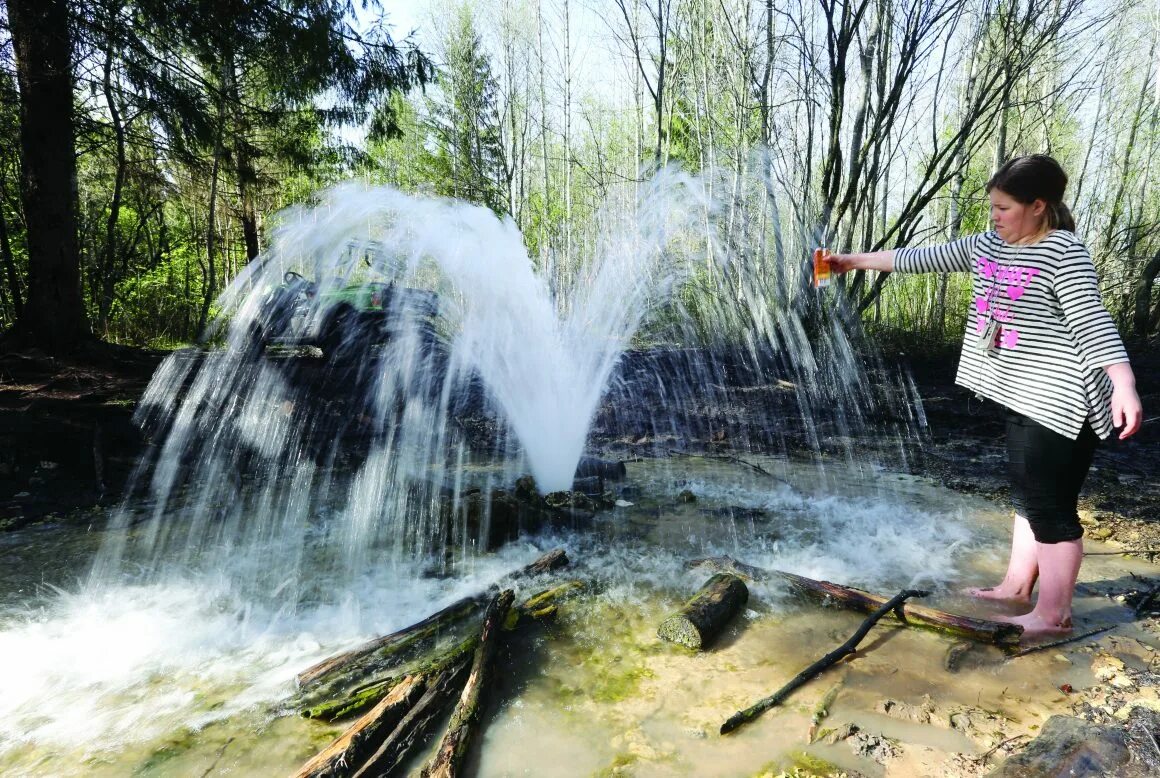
620	764
610	657
800	764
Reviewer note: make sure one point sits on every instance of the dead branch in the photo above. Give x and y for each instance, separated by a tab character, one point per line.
847	648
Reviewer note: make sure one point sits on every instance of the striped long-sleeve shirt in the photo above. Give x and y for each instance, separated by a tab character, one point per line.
1054	334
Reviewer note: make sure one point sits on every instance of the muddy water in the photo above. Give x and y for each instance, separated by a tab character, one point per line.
188	678
603	696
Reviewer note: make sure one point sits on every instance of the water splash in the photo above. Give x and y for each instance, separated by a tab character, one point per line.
332	422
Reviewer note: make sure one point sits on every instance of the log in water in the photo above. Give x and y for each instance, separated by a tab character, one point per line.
385	648
999	633
705	615
448	760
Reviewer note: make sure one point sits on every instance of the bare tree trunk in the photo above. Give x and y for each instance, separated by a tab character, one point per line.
14	295
955	220
1121	186
1001	136
215	174
567	155
1142	318
247	182
545	254
662	71
54	318
866	61
106	267
661	19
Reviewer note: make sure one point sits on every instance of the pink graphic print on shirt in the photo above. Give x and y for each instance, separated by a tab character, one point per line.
1011	281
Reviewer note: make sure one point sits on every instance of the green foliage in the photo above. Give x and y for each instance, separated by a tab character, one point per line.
161	304
178	100
399	160
283	97
463	122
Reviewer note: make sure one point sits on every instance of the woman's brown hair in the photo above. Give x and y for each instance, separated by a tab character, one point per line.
1036	177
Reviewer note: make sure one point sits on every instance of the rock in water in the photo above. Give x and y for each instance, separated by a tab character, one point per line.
1068	746
603	468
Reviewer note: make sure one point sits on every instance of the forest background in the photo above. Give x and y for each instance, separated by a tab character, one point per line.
146	145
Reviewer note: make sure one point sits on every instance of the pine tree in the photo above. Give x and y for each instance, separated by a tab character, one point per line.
467	160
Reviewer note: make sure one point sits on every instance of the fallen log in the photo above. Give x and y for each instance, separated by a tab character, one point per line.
541	606
357	742
999	633
847	648
705	615
417	725
448	760
332	677
397	644
365	696
405	707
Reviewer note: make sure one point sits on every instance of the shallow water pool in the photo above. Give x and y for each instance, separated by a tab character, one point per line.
190	676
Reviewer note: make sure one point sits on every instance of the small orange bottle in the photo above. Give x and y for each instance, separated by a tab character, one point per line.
821	268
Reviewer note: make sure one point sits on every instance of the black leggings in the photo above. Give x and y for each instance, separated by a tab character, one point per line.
1047	470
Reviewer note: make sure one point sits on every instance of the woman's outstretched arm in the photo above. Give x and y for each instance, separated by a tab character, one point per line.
875	260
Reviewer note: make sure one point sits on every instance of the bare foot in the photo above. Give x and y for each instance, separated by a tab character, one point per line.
1036	626
1000	592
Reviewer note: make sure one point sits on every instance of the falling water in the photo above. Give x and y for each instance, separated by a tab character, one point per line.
271	458
390	353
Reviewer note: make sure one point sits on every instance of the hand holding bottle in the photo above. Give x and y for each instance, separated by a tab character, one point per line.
882	261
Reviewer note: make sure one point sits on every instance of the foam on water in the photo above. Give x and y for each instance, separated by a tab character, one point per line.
102	668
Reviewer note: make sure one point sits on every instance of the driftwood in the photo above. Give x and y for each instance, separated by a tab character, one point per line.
401	695
998	633
357	743
542	606
387	648
416	726
362	697
847	648
448	760
705	615
400	711
1061	642
333	677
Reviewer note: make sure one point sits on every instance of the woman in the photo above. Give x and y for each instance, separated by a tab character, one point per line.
1041	344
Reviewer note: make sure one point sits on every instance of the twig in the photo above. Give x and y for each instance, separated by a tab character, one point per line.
1150	737
1125	551
736	460
983	759
1054	643
847	648
823	710
1147	599
225	745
